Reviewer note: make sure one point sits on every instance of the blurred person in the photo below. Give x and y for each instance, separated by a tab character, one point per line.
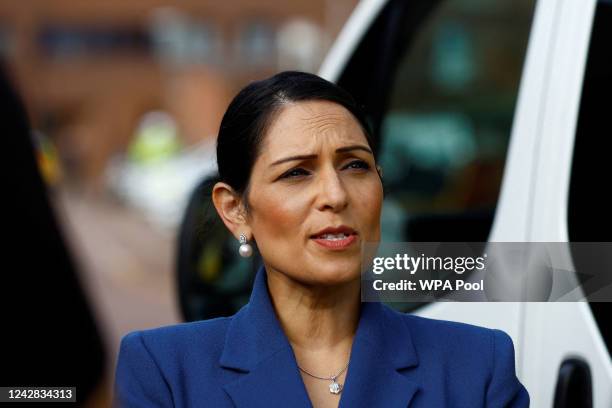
50	336
297	179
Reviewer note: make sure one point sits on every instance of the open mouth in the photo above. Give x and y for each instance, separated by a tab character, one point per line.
333	237
335	241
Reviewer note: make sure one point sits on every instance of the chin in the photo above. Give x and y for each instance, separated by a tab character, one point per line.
339	274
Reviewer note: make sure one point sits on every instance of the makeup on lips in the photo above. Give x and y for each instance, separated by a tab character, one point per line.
335	238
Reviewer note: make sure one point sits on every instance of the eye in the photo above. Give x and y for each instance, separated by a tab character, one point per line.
293	173
359	163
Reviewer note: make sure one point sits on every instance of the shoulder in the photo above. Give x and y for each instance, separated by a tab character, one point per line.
458	335
466	353
460	343
153	363
452	333
176	342
203	330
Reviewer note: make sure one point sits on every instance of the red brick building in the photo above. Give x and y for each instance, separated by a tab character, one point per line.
88	70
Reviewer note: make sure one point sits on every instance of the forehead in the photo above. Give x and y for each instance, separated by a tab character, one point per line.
308	126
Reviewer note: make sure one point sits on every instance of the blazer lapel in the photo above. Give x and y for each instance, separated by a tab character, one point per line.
382	369
272	383
264	371
257	347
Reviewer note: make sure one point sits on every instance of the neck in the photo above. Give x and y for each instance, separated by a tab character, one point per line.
316	318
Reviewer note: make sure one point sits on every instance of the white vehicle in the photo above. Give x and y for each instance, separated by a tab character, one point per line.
492	128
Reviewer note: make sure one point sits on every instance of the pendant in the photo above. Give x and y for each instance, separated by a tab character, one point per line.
335	387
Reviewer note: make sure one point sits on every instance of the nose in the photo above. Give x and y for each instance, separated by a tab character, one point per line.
331	191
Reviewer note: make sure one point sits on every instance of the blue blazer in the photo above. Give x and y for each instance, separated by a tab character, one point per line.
397	360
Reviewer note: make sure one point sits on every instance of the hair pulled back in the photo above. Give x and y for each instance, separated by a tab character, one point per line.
253	109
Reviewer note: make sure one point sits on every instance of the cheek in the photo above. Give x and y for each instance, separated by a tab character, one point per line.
277	218
368	200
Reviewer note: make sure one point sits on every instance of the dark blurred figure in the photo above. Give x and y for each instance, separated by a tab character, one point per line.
49	336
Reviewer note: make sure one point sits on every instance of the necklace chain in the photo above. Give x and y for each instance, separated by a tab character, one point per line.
332	378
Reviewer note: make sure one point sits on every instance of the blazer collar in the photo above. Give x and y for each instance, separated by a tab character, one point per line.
380	372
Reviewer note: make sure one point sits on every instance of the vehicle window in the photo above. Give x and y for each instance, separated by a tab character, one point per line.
441	82
589	218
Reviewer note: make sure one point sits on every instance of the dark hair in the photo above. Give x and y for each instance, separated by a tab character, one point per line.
250	113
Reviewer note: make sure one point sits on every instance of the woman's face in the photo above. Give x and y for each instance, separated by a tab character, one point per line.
333	183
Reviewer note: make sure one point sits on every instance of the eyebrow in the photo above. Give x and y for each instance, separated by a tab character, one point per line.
312	156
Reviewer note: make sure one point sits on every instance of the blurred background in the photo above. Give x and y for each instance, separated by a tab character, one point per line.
123	101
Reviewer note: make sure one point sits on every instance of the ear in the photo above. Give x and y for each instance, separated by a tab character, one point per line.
230	209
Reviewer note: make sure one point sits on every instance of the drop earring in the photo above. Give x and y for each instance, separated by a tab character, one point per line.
245	249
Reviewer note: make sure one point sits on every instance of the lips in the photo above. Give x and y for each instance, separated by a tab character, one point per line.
336	238
341	229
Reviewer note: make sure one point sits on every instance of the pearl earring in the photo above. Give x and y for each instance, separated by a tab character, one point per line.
245	250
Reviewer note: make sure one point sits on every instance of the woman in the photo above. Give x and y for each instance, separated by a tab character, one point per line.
298	178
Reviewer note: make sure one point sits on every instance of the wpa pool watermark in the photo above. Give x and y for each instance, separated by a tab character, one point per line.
486	271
